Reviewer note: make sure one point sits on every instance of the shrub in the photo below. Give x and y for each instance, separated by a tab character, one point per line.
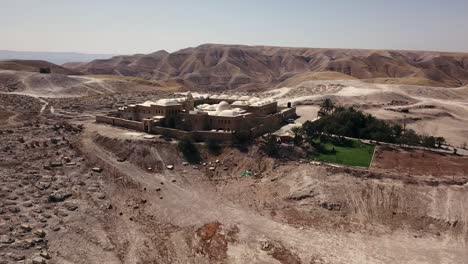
270	147
214	146
240	137
189	149
45	70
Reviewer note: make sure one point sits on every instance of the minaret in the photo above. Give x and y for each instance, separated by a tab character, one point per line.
189	102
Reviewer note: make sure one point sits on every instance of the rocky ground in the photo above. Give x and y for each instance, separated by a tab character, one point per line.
78	192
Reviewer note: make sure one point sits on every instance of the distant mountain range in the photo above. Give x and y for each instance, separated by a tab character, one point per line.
54	57
214	67
222	67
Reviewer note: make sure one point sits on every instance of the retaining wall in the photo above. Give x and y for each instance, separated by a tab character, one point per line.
135	125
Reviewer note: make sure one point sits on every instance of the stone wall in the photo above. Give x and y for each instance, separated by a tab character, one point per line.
196	135
135	125
288	113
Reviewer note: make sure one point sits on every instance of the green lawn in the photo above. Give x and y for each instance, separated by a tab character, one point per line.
359	154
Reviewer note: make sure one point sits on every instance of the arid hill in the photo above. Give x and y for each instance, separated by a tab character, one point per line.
221	67
34	66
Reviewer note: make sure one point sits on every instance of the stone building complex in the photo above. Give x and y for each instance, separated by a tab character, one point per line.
205	116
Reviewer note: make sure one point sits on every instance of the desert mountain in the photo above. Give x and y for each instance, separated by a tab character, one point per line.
54	57
221	67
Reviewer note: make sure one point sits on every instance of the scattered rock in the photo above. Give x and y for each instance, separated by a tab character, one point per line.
59	196
97	169
26	227
56	164
17	257
39	232
331	206
4	239
71	207
170	167
38	260
264	245
45	254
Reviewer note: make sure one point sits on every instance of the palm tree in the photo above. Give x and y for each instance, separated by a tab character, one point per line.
298	132
327	106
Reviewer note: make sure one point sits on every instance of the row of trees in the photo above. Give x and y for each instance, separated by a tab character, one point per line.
340	122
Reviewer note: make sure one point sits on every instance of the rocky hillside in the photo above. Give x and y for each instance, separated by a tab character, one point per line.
34	66
220	67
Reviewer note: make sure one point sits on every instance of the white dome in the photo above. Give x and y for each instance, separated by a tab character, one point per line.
223	106
240	103
147	103
166	102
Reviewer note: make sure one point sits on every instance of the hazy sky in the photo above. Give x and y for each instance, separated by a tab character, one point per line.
143	26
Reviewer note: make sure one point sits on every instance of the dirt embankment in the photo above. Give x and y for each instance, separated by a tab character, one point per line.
297	195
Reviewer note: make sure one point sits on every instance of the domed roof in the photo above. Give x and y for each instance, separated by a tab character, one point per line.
223	106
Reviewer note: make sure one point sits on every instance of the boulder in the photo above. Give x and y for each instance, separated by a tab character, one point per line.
56	164
40	233
26	227
45	254
4	239
71	207
59	196
38	260
97	169
170	167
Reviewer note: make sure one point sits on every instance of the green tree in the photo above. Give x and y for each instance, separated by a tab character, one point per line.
439	141
298	135
326	107
429	141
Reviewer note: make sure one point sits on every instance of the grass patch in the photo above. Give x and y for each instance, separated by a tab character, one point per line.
356	154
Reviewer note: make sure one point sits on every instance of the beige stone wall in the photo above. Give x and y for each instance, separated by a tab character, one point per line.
204	122
140	112
289	113
200	135
135	125
263	110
